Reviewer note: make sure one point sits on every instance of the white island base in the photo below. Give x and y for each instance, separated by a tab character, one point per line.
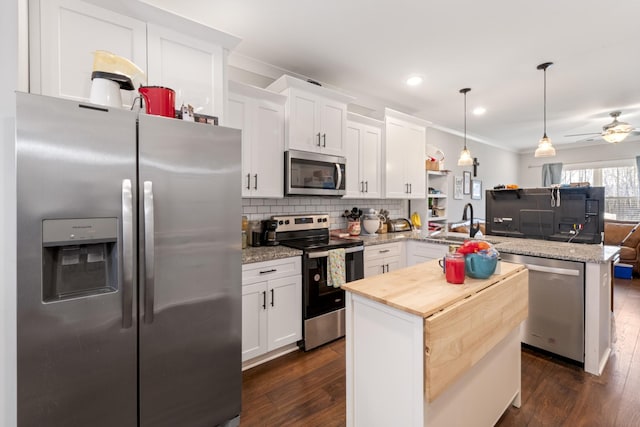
385	384
456	366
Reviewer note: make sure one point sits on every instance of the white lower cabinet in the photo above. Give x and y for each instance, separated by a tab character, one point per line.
418	252
380	259
271	306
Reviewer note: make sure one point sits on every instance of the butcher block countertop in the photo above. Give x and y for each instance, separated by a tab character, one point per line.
422	289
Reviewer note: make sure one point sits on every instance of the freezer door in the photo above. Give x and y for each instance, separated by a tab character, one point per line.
76	336
190	277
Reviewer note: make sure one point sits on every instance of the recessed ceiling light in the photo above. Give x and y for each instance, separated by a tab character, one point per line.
414	80
478	111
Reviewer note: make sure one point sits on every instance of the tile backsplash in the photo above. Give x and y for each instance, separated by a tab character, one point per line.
257	209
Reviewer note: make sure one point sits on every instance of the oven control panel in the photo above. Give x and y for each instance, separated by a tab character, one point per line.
301	222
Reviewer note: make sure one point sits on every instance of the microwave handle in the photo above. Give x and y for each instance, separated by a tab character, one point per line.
339	180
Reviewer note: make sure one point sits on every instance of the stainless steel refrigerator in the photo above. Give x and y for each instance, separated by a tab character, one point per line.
129	268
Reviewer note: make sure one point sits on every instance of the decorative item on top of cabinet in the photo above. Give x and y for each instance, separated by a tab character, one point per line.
363	153
259	114
316	117
404	155
182	54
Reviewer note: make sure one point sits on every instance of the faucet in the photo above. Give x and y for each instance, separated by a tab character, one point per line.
472	230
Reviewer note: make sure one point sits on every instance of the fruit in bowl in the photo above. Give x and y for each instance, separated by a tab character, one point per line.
480	258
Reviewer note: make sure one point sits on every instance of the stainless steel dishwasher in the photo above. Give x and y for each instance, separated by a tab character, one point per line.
556	305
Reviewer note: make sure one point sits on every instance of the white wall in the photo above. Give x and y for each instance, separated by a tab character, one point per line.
11	13
530	174
497	166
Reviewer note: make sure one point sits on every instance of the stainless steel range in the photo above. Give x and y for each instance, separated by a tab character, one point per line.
322	305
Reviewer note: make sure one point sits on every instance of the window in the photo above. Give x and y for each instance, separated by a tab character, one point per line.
621	189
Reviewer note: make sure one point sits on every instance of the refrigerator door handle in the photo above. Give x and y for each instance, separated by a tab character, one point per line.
127	254
149	258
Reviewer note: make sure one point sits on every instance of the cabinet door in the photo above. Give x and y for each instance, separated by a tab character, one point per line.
284	305
414	166
392	263
191	67
333	116
304	126
395	146
267	147
63	35
254	320
238	117
374	267
370	152
354	183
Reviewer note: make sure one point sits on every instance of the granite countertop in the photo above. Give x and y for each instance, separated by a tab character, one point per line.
580	252
422	289
542	248
267	253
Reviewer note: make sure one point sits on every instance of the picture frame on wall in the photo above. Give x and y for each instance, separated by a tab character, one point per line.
466	187
457	187
476	189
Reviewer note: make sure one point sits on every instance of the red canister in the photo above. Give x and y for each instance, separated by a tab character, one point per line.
454	268
159	100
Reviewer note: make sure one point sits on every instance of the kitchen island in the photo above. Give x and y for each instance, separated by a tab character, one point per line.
423	352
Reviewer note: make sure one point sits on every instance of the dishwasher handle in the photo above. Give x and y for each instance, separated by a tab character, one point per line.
555	270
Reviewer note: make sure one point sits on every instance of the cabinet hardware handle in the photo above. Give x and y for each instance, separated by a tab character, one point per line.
248	181
324	139
149	257
255	177
387	268
382	268
410	188
273	270
383	251
272	298
318	135
127	254
366	183
264	300
362	186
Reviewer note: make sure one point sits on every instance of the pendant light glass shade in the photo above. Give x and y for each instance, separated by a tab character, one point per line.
545	148
465	156
616	131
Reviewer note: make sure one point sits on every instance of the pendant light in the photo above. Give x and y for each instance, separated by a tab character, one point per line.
465	156
545	149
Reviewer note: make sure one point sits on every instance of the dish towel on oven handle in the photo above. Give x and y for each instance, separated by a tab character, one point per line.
336	275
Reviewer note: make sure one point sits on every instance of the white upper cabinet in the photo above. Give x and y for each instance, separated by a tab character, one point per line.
63	34
404	156
316	117
260	116
188	57
193	68
363	153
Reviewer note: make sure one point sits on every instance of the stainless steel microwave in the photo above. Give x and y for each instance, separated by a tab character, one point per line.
313	174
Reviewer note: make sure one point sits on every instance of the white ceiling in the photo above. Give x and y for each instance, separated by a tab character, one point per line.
368	49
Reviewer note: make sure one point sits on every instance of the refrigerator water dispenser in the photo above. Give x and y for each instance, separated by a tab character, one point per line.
79	258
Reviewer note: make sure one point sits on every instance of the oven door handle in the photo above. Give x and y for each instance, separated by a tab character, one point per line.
324	254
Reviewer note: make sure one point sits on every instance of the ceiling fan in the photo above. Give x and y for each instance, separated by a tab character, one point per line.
613	132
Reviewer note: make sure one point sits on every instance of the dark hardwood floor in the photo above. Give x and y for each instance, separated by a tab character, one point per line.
308	389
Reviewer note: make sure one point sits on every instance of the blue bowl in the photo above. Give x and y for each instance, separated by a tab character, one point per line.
480	266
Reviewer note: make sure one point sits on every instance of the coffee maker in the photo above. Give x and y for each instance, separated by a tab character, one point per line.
269	227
